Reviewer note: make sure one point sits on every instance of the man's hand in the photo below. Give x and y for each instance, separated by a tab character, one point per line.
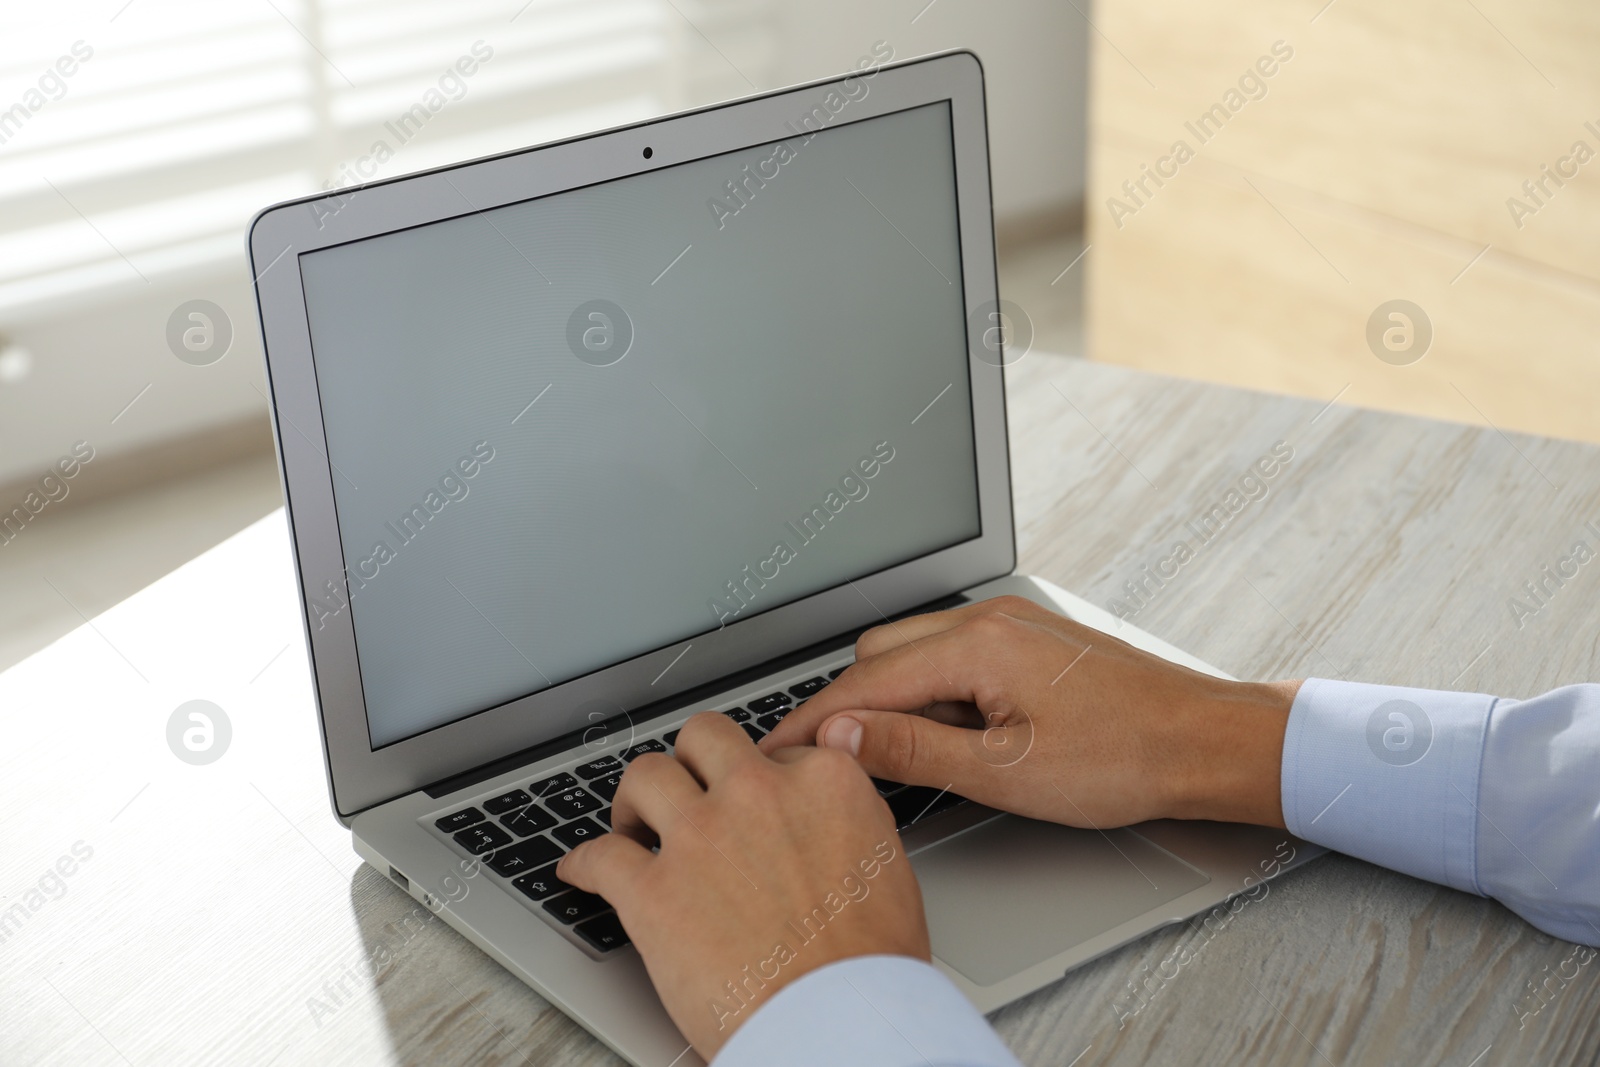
1013	706
767	869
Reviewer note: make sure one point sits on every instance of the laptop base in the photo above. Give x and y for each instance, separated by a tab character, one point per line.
1074	894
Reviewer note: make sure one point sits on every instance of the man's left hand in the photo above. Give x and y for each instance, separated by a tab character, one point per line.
767	869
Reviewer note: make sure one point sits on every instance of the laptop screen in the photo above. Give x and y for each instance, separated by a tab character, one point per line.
572	430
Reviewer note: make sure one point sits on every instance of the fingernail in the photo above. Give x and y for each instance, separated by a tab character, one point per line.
843	733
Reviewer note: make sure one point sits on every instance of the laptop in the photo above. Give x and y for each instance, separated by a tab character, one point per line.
580	440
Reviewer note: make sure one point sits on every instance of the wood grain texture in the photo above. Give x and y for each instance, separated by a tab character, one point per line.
1386	551
1376	163
224	918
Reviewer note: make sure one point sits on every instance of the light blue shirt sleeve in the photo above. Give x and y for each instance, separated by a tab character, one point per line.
1492	796
869	1011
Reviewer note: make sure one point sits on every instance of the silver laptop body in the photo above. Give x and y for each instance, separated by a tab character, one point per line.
580	440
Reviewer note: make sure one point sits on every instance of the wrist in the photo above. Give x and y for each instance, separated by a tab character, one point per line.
1230	745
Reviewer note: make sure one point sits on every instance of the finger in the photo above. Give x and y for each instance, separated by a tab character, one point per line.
653	793
899	632
942	668
711	744
610	865
949	712
906	748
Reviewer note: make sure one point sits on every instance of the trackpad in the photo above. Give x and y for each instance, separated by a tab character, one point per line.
1014	892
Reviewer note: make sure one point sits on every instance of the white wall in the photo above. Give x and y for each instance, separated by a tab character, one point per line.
1035	59
88	366
89	361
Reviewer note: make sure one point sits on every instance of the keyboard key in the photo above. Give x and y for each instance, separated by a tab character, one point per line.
919	802
554	784
837	671
459	820
641	748
808	688
538	885
572	803
607	786
770	702
738	715
772	718
603	765
530	820
482	837
575	906
604	933
907	804
753	730
671	738
604	815
524	856
576	833
944	803
517	798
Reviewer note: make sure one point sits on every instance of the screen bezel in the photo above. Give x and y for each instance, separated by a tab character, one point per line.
359	776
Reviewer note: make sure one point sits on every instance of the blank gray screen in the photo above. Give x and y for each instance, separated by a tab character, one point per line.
572	430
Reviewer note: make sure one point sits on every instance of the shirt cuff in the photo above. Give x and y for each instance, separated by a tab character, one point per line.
868	1011
1389	775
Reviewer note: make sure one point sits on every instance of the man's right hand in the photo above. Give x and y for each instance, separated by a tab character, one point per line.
1014	706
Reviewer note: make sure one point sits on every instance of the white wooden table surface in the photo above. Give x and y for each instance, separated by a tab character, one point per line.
216	913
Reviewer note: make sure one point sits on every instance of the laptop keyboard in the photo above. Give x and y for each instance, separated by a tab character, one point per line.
519	834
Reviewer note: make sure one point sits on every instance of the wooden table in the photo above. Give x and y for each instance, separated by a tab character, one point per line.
221	917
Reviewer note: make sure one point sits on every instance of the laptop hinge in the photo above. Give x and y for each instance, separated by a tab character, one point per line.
639	715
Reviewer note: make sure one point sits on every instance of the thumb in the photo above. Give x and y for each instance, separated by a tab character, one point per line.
904	748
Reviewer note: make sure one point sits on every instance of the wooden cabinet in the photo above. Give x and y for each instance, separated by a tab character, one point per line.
1246	225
